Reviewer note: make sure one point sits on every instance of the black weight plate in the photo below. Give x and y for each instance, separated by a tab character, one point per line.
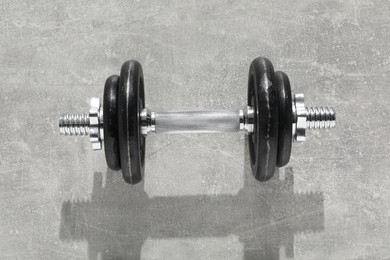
285	118
262	96
131	101
110	122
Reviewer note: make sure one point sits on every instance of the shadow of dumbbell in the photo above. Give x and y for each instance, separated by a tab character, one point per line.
118	219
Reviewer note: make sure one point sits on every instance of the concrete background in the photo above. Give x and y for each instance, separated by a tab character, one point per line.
198	200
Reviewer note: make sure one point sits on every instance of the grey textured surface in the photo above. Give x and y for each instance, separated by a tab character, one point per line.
198	200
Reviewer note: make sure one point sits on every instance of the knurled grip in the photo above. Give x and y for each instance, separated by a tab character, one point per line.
197	122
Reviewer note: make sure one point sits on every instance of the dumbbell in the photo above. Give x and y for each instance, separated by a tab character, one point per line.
273	118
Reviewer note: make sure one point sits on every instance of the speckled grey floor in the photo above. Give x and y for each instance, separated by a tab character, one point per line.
198	200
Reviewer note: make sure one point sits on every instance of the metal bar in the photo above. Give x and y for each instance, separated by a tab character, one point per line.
197	122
